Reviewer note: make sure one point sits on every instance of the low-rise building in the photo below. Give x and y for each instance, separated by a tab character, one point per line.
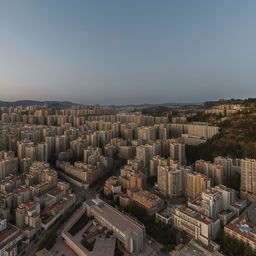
51	214
80	171
112	186
196	225
149	201
128	231
10	236
143	198
166	215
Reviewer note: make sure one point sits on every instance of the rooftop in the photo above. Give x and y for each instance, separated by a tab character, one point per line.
186	210
104	247
122	222
168	211
11	233
146	195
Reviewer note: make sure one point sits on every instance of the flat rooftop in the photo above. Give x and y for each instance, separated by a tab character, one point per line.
104	247
168	211
192	213
121	221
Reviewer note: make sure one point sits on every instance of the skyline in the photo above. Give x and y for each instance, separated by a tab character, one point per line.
120	52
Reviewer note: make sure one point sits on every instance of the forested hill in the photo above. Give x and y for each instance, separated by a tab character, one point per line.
237	138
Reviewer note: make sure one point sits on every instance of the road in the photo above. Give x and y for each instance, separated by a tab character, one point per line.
31	248
156	246
81	196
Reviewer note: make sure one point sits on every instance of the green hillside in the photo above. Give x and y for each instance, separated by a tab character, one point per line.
237	138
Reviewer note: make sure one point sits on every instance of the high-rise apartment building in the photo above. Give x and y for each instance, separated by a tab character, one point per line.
248	179
170	181
230	165
195	184
8	166
42	152
177	152
213	171
146	152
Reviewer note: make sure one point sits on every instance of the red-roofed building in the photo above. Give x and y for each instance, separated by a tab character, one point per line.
9	238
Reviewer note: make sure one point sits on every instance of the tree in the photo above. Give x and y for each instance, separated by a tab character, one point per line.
248	251
234	181
152	180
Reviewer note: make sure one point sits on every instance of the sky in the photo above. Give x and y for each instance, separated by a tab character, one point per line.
127	51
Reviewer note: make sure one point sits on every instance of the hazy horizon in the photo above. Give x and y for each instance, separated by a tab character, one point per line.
141	103
127	52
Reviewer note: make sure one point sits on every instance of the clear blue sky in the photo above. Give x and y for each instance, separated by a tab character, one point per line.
127	51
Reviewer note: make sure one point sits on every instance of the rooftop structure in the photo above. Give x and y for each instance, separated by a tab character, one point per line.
166	215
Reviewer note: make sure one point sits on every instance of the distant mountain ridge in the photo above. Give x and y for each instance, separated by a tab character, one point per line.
69	104
35	102
167	104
